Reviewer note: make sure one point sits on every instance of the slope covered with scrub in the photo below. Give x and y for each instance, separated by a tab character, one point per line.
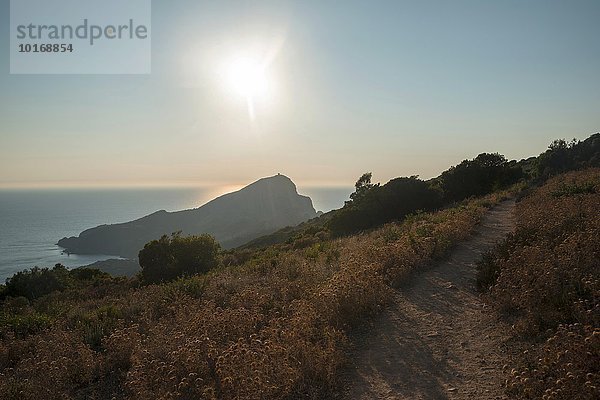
274	326
545	280
274	322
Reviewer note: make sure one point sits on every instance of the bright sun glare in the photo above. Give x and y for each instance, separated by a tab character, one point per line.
248	78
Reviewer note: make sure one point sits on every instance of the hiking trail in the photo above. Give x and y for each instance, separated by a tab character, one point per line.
437	339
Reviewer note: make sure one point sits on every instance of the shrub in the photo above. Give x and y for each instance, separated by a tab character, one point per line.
88	274
37	282
479	176
563	156
374	205
172	257
24	324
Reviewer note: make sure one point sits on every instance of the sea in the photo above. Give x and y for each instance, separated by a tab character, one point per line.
32	221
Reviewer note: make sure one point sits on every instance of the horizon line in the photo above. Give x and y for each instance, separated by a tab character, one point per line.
73	185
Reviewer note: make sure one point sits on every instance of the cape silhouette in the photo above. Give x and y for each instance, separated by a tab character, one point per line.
233	219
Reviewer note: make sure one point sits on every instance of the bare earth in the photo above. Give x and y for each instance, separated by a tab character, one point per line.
437	340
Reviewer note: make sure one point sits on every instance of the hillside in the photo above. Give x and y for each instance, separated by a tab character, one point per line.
544	281
481	175
396	297
233	219
273	326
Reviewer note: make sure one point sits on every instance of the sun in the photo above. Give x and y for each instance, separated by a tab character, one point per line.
247	78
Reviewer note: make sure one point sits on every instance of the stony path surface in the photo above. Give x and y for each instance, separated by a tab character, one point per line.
437	340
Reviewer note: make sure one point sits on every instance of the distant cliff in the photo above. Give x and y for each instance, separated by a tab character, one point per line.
233	219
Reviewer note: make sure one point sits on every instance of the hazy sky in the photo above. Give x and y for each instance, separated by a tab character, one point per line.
393	87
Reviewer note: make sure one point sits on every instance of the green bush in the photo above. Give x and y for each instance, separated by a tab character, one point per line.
26	324
479	176
373	205
37	282
88	274
172	257
563	156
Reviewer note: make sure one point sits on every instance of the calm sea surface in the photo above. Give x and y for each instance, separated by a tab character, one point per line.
31	222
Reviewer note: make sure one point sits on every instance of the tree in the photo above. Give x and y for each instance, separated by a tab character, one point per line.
373	205
363	186
175	256
491	160
563	155
481	175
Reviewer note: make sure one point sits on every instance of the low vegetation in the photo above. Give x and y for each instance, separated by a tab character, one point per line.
270	324
545	280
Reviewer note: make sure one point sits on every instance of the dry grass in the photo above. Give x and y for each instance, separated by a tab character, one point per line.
273	327
546	280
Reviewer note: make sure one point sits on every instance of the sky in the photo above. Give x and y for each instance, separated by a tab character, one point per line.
397	88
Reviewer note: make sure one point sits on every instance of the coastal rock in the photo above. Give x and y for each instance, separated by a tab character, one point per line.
233	219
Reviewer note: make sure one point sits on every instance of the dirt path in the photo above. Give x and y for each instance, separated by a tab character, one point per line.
437	340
